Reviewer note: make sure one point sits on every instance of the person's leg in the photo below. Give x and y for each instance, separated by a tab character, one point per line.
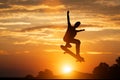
68	45
77	42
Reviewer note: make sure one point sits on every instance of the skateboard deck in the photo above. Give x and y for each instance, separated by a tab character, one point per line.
80	59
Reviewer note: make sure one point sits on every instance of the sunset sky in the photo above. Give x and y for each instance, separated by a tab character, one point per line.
31	33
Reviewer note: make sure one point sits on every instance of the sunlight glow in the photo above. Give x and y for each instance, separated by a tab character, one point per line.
67	69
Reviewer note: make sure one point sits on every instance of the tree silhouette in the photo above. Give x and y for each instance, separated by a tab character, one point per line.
101	70
118	61
29	76
115	69
45	74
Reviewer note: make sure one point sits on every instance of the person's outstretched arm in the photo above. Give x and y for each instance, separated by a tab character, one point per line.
80	30
68	19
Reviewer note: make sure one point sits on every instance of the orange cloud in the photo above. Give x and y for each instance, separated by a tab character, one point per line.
108	3
2	28
38	7
51	5
52	2
14	23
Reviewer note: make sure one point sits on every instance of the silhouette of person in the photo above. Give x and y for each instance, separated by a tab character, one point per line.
70	34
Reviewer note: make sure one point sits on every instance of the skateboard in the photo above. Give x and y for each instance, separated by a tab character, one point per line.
80	59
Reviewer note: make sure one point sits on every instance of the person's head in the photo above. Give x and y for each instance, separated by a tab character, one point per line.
77	24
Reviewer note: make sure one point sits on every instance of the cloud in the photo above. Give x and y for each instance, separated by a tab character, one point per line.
52	50
116	19
21	2
103	34
2	6
110	46
14	23
45	28
109	3
34	36
110	7
2	28
32	28
100	42
31	6
91	13
105	41
94	6
36	8
25	42
43	22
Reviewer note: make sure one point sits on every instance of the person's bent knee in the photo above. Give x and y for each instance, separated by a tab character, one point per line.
65	40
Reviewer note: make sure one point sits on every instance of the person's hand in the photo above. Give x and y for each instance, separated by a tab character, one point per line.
83	29
68	12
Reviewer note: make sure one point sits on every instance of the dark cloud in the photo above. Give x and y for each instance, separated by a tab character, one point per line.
10	3
2	6
89	25
53	26
31	28
92	6
21	2
39	27
109	10
4	1
88	6
116	19
78	4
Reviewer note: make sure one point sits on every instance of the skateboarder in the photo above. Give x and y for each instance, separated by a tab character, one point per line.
70	34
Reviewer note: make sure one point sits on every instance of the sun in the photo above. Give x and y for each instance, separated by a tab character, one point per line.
67	69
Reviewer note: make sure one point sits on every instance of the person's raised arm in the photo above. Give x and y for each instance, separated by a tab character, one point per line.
68	19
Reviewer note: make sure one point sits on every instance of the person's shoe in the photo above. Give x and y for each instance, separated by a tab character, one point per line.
80	58
68	45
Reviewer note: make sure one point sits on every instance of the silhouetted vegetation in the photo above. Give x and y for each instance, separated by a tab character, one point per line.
45	74
29	76
102	71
